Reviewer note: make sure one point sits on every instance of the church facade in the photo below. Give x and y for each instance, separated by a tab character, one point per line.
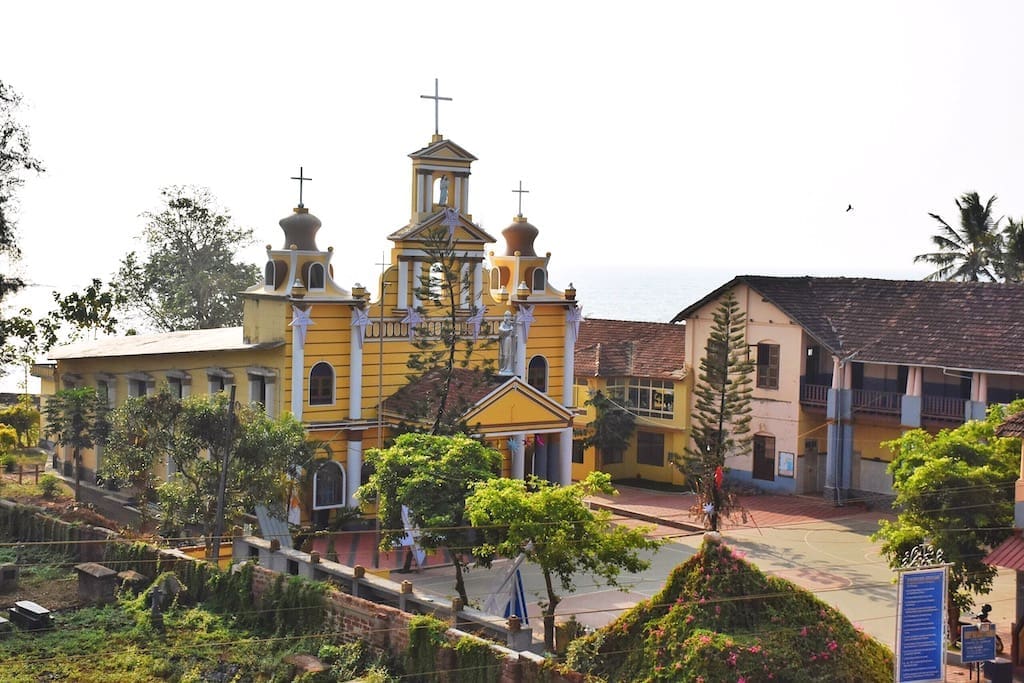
340	362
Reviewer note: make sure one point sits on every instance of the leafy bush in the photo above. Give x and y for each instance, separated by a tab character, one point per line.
49	484
719	618
8	461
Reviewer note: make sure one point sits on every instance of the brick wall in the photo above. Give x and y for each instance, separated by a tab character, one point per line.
387	629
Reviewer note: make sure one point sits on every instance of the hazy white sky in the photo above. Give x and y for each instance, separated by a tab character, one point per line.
686	134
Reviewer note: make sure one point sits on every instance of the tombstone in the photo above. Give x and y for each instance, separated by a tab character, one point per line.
5	628
132	580
28	615
9	572
96	583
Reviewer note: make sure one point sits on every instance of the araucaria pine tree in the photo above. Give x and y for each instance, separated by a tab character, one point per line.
721	418
445	338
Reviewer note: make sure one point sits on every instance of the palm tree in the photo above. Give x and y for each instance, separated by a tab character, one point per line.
1011	262
972	253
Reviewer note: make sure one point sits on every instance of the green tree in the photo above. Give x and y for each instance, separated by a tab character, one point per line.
188	278
1010	266
193	435
954	491
143	433
15	160
23	418
556	530
970	253
77	418
91	310
612	428
721	417
444	342
432	476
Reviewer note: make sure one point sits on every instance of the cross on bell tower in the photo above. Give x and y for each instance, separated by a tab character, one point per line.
437	102
300	178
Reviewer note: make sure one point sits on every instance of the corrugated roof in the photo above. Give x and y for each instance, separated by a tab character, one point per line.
184	341
625	348
1009	554
958	325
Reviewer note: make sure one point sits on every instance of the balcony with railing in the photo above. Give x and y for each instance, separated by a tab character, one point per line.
940	408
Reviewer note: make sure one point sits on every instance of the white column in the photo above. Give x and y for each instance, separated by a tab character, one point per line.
837	369
518	457
478	284
355	375
983	387
298	372
568	352
402	300
420	192
354	470
464	288
458	193
565	456
417	281
270	391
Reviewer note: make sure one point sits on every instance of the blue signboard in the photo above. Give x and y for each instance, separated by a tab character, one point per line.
920	610
977	643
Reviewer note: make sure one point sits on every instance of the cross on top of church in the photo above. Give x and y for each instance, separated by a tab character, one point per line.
521	192
437	101
300	178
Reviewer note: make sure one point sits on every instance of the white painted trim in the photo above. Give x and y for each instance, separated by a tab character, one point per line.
355	470
565	457
402	297
298	374
355	375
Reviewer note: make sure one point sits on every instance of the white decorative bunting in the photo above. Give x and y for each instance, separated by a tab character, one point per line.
300	321
451	219
412	319
360	319
476	320
573	316
525	318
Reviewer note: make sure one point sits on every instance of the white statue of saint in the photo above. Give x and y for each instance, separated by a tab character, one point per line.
506	345
443	199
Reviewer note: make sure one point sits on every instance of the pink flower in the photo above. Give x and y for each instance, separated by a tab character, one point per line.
689	618
705	639
741	679
832	645
731	659
814	657
803	632
754	649
718	609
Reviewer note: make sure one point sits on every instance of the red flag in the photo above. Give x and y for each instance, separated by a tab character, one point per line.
718	477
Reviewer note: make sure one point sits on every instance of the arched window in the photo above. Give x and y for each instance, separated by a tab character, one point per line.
537	375
495	279
321	384
315	276
329	486
538	280
269	274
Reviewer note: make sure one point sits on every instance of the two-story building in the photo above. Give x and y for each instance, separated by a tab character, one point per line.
641	366
338	360
845	364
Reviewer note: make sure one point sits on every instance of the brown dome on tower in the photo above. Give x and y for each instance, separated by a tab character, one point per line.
300	229
520	237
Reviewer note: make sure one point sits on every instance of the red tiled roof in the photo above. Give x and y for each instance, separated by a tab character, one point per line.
422	395
622	348
1012	426
973	326
1009	554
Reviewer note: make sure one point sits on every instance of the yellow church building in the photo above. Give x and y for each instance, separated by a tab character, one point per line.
338	360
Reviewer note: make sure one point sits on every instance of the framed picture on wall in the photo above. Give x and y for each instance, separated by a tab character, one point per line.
785	464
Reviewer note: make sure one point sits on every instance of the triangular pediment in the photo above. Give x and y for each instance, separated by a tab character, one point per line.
466	231
515	407
443	150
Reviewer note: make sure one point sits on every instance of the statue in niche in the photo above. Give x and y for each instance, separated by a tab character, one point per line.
506	345
443	198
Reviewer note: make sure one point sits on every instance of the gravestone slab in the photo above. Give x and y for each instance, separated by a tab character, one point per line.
9	573
29	615
96	583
